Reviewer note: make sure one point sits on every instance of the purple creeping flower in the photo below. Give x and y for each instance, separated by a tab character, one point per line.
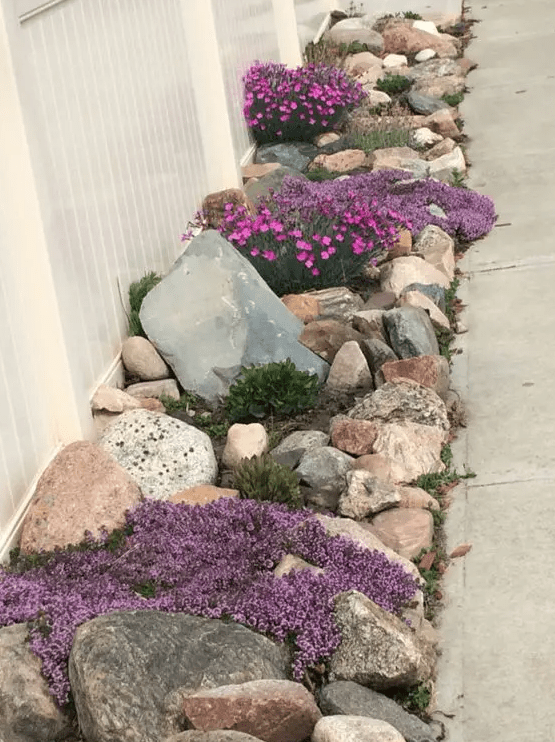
282	103
213	561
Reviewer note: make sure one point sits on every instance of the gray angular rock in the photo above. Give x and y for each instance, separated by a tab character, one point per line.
28	712
257	188
377	648
366	494
325	468
433	291
166	656
403	401
424	104
434	68
291	154
338	302
162	454
301	439
357	29
377	353
346	697
214	300
411	332
349	370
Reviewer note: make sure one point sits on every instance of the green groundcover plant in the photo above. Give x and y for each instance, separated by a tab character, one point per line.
296	104
215	561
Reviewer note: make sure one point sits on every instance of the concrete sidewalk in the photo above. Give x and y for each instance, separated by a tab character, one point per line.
497	673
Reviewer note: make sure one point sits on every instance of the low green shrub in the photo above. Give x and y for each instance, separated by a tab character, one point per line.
394	84
262	478
137	292
276	388
453	99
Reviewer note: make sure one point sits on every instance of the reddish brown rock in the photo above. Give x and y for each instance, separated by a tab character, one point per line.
405	530
400	38
445	147
202	494
325	337
430	371
83	489
303	306
466	64
381	300
213	205
152	404
353	436
271	710
442	122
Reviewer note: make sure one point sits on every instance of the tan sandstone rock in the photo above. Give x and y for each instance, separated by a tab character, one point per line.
303	306
244	442
405	530
325	337
365	495
202	494
349	369
413	449
340	162
141	359
400	273
213	205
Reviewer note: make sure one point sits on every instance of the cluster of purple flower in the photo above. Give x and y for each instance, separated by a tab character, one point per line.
468	215
301	235
282	103
212	561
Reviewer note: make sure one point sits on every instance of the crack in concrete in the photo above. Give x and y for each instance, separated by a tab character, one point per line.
536	262
498	483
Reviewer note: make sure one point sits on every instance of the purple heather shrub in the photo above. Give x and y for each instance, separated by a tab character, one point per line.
297	104
215	561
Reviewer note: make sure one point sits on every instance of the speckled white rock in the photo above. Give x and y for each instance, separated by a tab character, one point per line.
162	454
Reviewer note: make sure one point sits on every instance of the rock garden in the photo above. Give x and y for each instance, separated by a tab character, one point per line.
252	547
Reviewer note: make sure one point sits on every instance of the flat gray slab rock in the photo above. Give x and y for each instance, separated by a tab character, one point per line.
130	671
162	454
213	314
346	697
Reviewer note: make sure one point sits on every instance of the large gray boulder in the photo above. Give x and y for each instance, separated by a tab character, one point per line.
28	712
213	314
130	671
346	697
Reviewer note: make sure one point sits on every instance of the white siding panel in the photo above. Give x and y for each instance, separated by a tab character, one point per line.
246	33
114	128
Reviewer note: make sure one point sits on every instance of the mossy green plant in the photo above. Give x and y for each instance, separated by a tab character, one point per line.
453	99
137	292
262	478
394	84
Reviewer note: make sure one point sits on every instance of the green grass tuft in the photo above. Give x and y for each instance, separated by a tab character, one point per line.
137	292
